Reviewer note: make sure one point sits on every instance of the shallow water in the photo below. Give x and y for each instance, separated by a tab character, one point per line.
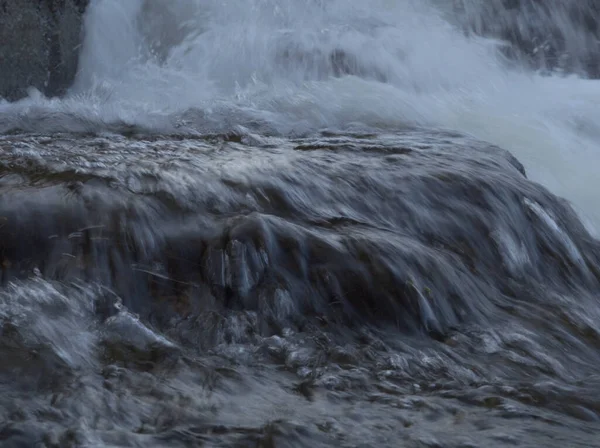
276	223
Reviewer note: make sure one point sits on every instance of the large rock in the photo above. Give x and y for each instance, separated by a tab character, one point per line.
40	45
422	231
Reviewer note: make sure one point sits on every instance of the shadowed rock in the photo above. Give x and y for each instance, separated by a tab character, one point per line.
544	34
40	45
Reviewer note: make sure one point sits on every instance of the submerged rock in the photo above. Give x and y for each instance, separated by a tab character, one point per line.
40	45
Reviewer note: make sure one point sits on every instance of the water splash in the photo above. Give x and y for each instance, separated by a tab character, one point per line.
287	67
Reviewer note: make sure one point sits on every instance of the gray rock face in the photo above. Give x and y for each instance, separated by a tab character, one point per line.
39	45
559	35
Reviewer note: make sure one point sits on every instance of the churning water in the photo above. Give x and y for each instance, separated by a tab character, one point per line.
291	223
280	66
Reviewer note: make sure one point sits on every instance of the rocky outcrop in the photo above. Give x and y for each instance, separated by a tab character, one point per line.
40	42
422	231
552	35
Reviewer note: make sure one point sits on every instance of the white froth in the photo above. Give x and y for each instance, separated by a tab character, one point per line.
276	63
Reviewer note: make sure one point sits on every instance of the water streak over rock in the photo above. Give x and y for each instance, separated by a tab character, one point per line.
164	290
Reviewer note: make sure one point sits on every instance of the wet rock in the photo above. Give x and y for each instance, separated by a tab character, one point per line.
556	35
275	347
40	45
12	437
429	246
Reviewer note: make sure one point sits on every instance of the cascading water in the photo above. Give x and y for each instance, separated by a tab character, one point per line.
294	222
289	67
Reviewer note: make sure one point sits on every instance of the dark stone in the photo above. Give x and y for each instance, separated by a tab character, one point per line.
544	34
40	45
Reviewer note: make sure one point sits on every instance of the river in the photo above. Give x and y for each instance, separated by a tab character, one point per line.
307	223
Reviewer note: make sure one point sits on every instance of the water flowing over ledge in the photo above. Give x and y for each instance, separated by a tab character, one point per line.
407	273
285	67
296	223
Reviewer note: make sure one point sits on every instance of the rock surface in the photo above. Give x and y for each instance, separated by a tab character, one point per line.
555	35
40	43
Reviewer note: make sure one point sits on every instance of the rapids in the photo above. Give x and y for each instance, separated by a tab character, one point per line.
307	223
276	65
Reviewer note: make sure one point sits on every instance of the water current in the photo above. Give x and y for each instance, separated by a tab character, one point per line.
307	223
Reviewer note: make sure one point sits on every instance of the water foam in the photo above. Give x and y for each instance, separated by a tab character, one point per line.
294	67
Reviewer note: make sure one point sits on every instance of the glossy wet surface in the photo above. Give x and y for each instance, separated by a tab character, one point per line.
408	289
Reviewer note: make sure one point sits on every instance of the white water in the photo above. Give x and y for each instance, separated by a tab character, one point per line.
208	65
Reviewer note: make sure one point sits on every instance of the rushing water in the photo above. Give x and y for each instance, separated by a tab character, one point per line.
295	223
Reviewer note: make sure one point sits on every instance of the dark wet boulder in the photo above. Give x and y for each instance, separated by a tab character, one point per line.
426	232
40	45
552	35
